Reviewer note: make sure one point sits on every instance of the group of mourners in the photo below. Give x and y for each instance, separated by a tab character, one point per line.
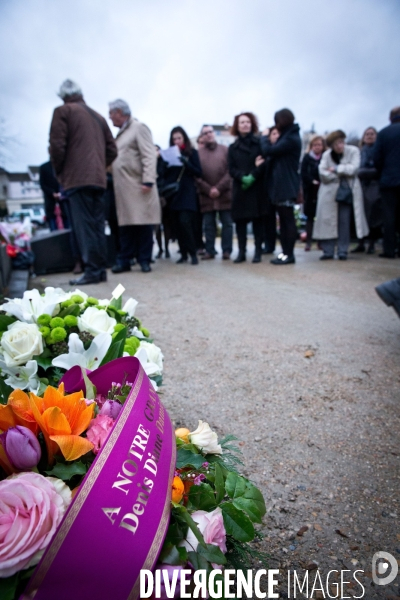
256	180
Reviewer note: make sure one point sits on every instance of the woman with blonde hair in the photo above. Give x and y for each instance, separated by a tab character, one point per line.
339	192
311	182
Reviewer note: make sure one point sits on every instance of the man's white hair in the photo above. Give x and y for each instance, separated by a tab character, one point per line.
120	105
69	88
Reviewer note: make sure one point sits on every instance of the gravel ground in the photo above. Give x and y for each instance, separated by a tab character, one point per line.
302	364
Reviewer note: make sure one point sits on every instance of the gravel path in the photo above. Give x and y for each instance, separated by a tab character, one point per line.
302	364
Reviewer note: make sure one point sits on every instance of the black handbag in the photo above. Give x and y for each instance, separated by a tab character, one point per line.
171	189
344	194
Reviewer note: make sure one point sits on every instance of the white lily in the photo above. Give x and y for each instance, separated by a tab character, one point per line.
130	307
149	367
22	378
137	333
77	355
32	305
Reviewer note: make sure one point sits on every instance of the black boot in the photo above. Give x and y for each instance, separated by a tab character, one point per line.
241	257
257	256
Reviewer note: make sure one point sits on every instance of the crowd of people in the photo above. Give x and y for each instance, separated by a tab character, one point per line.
258	179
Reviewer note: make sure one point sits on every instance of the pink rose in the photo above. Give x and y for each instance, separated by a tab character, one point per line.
98	431
211	525
31	509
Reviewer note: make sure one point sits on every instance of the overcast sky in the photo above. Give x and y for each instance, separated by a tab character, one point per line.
335	64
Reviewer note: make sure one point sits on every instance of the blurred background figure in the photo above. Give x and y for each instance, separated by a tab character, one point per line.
338	167
215	193
387	160
51	192
269	226
165	229
310	182
283	179
184	206
249	202
368	176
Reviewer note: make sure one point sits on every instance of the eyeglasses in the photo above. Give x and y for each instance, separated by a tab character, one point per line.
209	131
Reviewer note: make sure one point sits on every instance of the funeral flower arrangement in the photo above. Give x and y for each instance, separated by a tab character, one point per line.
214	508
44	335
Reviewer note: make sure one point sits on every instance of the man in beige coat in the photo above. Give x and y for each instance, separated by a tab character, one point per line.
136	196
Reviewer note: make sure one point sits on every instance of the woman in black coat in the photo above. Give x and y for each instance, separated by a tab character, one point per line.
283	180
310	181
248	199
184	205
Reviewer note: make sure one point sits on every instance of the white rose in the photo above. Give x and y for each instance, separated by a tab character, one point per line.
20	343
130	307
154	356
206	439
96	321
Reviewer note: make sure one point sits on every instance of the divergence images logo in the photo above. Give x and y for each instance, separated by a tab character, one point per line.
387	565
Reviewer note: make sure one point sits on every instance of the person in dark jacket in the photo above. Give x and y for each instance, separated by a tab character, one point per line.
311	182
184	205
51	192
248	198
386	158
81	147
368	175
269	227
284	181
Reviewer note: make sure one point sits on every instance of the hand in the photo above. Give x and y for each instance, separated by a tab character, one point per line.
315	182
332	169
184	159
259	161
266	131
146	189
57	195
214	193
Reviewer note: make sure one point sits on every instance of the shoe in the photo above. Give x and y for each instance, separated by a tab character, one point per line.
389	293
359	248
77	270
307	247
120	268
207	256
326	257
257	257
371	248
385	255
342	257
132	262
87	279
226	256
201	252
283	259
159	254
145	266
182	260
194	259
241	257
167	254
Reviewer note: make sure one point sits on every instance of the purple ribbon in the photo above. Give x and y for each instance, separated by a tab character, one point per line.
117	522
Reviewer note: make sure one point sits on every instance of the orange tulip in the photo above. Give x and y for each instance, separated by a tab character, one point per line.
182	433
177	490
20	405
62	419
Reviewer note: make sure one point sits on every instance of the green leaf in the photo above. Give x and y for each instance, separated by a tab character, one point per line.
170	555
43	361
5	391
235	485
237	523
254	494
186	458
67	471
74	310
116	349
8	587
5	321
116	303
184	514
199	562
91	391
212	553
249	507
219	484
201	497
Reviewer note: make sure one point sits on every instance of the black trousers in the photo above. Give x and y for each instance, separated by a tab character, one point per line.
185	222
135	241
87	215
241	232
288	229
269	231
391	214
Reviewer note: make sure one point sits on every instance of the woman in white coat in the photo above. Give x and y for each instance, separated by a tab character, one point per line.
332	223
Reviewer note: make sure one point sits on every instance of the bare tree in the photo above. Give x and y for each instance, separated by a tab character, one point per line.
353	139
7	142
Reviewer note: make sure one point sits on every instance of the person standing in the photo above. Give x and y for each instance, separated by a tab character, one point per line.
51	192
136	196
183	204
248	197
283	179
338	169
81	147
269	228
387	161
215	193
311	182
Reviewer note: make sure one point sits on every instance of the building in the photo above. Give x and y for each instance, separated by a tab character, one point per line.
20	190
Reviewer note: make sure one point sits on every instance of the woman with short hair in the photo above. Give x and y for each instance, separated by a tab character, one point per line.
311	182
339	192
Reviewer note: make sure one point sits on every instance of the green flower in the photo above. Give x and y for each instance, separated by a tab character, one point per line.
77	299
58	334
66	303
133	344
45	331
122	313
44	320
91	301
145	332
129	350
56	322
70	321
49	340
119	327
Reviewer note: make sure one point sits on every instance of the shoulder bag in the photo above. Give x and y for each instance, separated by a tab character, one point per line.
344	194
